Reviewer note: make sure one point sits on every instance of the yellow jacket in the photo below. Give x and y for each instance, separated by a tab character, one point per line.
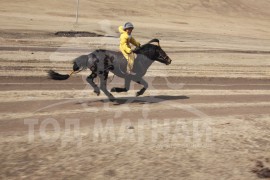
125	41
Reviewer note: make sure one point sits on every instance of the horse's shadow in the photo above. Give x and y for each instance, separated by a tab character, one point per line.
141	100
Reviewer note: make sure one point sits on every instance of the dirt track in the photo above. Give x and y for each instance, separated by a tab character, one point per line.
235	111
206	116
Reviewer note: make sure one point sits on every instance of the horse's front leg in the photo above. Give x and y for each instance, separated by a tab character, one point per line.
90	80
145	86
103	86
125	89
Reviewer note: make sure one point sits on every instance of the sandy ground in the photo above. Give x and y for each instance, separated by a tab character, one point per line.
206	116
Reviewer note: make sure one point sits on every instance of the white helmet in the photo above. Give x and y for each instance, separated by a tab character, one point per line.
128	25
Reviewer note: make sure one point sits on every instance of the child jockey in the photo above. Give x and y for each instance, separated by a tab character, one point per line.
125	40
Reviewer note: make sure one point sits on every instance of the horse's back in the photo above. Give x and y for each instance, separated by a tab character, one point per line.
119	62
111	58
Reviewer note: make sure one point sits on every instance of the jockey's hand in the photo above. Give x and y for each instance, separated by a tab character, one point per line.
136	49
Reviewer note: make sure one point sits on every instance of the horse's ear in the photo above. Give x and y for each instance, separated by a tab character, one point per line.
154	40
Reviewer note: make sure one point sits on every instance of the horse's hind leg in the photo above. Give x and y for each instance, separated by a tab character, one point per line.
145	86
103	85
125	89
90	80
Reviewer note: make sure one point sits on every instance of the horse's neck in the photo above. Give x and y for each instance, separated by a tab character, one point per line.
146	62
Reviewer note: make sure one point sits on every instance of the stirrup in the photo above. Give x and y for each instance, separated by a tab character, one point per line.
131	73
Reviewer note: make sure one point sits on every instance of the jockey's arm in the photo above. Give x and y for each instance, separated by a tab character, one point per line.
124	44
134	42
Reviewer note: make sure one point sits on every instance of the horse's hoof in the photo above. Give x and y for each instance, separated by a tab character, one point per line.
118	90
97	93
138	94
112	99
113	90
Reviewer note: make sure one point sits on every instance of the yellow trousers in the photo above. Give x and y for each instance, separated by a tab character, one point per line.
130	59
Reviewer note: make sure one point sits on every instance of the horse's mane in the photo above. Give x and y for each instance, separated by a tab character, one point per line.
147	44
153	40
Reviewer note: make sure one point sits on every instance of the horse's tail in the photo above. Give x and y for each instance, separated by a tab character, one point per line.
56	76
79	64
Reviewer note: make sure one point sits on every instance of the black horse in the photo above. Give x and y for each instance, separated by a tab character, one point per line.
101	62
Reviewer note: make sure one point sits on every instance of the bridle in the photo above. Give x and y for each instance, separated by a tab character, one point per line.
162	57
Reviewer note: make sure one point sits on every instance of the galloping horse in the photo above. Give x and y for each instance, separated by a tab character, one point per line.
101	62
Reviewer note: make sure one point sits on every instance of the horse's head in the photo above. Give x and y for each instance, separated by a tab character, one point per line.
161	56
154	52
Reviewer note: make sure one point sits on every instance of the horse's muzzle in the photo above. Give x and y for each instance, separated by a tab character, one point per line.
169	61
